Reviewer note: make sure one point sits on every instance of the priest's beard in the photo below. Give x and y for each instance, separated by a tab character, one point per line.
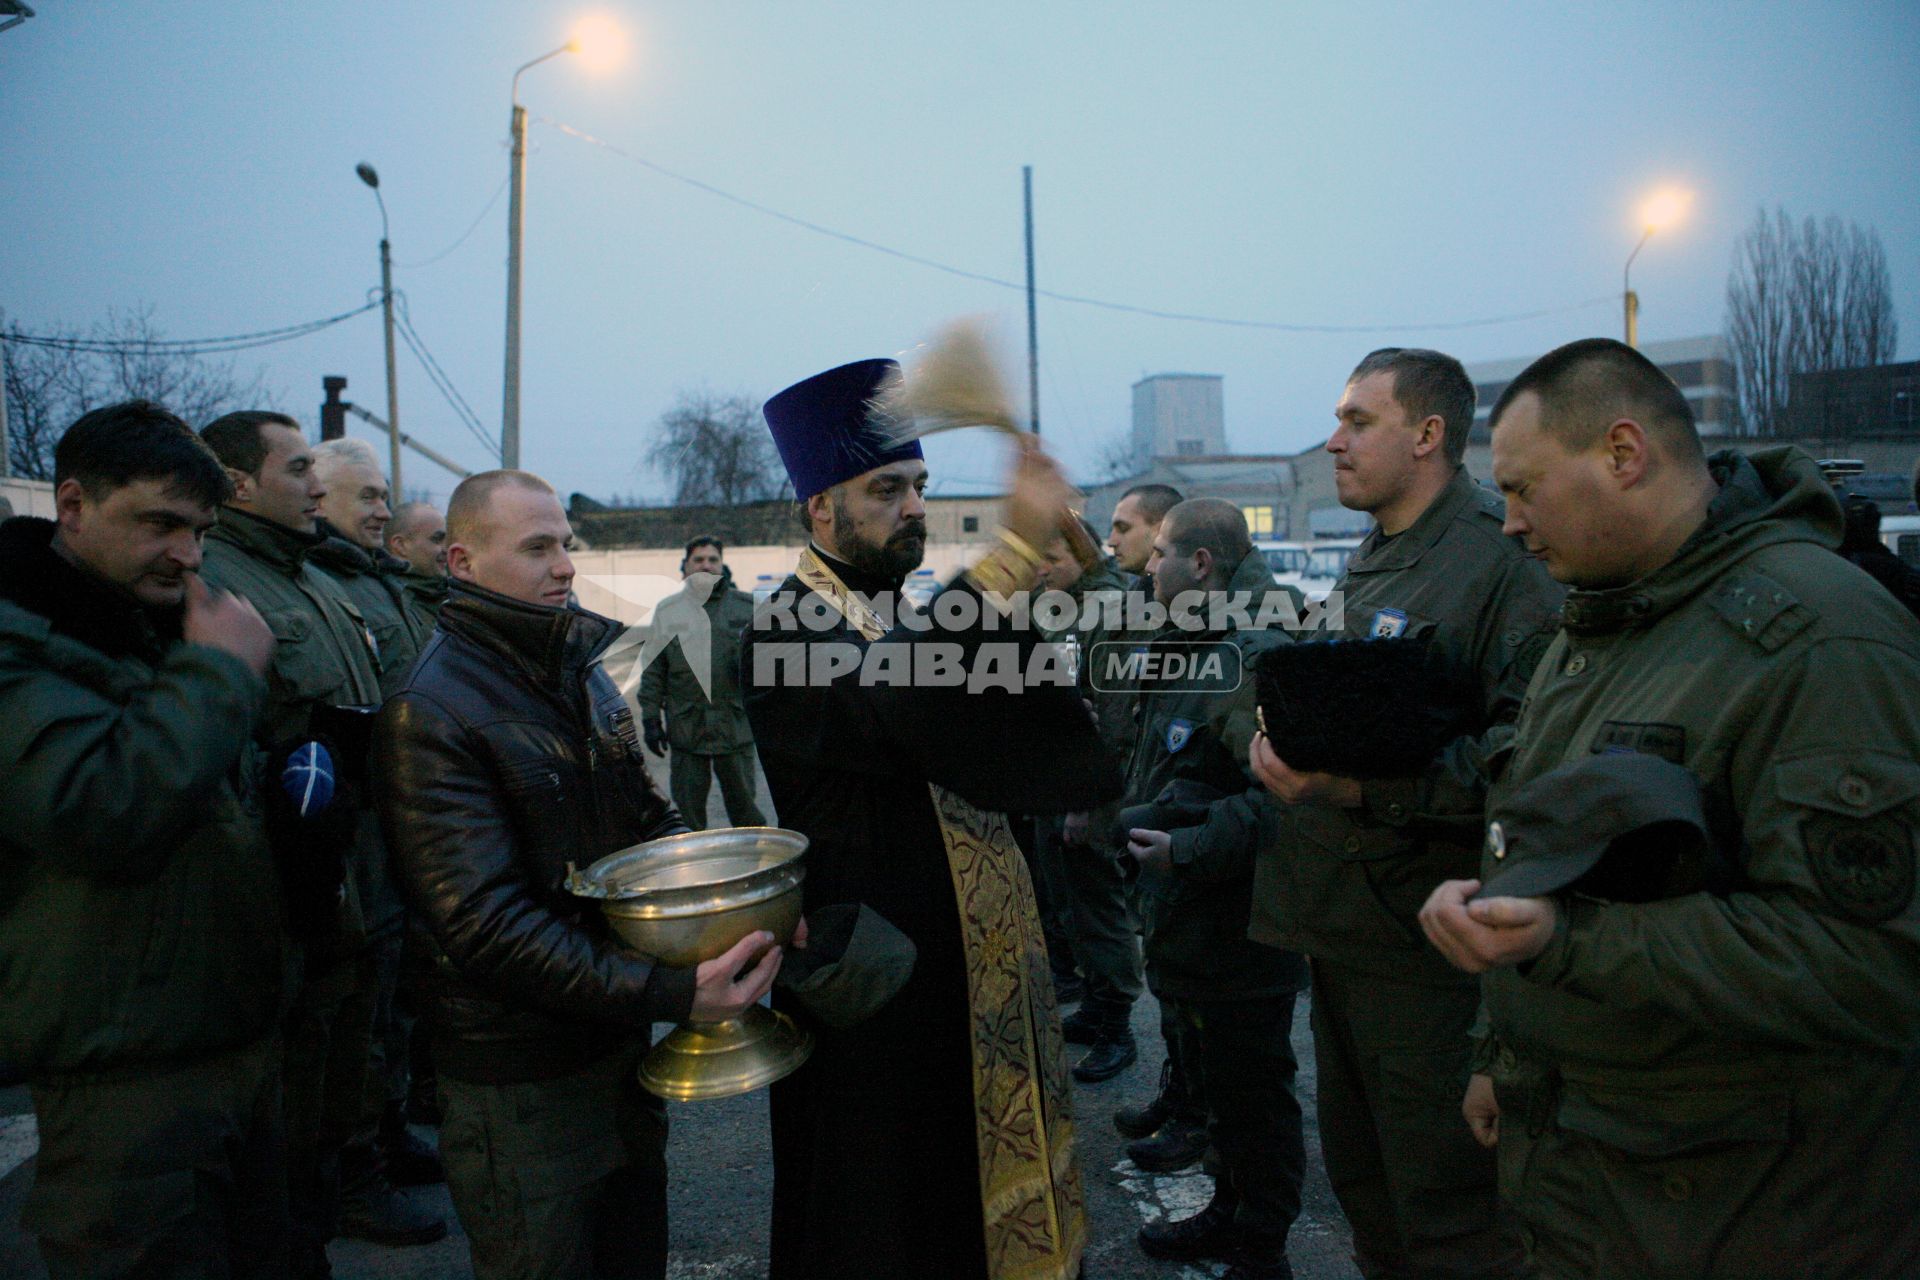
897	557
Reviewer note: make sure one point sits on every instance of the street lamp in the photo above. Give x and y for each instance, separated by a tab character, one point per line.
1661	210
599	41
372	179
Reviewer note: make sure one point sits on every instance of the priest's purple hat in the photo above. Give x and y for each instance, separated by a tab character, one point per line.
824	427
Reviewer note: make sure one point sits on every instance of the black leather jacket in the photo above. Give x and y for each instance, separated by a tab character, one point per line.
507	754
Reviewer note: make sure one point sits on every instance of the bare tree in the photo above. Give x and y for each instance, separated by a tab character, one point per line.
48	387
1114	459
1804	297
717	452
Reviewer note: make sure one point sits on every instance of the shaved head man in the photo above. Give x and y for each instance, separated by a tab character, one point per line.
418	535
1135	517
508	533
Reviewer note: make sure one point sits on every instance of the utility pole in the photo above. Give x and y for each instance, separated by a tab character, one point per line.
372	179
510	396
6	436
1033	333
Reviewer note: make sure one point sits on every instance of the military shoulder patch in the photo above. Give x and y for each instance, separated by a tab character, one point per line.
1388	623
1865	867
1760	609
1179	733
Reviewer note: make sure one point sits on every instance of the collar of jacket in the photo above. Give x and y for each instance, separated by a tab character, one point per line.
283	548
428	586
337	553
1380	553
859	580
76	602
554	646
1771	496
1104	576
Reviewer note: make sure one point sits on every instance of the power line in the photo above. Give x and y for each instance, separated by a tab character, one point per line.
185	346
1076	299
475	226
403	324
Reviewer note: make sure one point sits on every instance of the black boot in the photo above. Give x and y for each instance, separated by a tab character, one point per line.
370	1209
1143	1121
1179	1144
1209	1233
1082	1026
1113	1050
410	1162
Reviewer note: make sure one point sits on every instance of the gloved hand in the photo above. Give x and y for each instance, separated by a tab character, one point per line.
656	734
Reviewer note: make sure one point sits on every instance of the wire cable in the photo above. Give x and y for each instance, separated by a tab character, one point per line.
492	200
403	324
186	346
1076	299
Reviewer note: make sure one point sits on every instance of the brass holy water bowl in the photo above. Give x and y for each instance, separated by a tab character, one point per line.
688	898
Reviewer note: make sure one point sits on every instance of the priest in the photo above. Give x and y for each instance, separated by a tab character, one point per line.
930	1136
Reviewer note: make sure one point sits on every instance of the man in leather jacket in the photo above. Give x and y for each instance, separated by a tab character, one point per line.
507	754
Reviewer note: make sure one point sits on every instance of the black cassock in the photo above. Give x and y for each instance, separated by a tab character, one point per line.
934	1139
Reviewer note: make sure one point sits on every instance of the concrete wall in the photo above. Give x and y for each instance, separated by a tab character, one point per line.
28	497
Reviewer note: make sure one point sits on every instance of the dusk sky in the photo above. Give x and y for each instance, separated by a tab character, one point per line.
1401	166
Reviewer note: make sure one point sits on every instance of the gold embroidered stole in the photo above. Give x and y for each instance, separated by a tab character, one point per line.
1032	1200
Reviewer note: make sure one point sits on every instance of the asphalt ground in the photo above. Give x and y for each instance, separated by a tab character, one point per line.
721	1172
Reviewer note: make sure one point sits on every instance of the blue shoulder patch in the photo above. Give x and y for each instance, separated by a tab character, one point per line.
1179	733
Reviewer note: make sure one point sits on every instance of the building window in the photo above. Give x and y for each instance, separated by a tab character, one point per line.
969	524
1259	521
1190	448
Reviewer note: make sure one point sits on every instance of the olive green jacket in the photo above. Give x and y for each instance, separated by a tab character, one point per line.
323	656
373	581
696	722
1755	1047
424	593
140	915
1346	885
1196	932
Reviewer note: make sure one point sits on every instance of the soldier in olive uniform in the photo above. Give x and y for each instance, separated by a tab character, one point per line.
1233	996
324	658
1353	862
701	714
1721	1081
1090	878
143	955
417	536
353	519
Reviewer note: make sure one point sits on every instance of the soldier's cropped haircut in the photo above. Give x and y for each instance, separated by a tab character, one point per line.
467	508
704	540
1585	387
235	438
112	447
403	517
1427	384
1211	523
1155	500
330	457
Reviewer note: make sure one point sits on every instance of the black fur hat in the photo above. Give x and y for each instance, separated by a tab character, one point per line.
1376	708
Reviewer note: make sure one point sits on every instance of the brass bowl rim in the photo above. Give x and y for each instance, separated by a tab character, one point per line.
759	885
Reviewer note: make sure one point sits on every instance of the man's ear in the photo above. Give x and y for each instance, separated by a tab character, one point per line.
820	509
460	562
243	485
68	500
1433	434
1629	452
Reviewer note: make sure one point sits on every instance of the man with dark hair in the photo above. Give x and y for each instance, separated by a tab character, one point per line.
508	754
1135	517
690	694
418	535
143	952
325	659
933	1136
1352	861
1708	1068
1233	997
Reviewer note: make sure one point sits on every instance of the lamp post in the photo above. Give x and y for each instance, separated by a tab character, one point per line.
510	398
1660	211
372	179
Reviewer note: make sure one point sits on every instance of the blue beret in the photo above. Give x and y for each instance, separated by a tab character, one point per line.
307	778
823	429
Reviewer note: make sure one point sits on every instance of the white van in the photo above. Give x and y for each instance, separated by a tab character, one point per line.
1311	567
1902	536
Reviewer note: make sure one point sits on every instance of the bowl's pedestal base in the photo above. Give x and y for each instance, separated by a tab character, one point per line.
700	1060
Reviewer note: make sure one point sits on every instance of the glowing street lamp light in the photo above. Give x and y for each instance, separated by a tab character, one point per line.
600	44
1662	210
